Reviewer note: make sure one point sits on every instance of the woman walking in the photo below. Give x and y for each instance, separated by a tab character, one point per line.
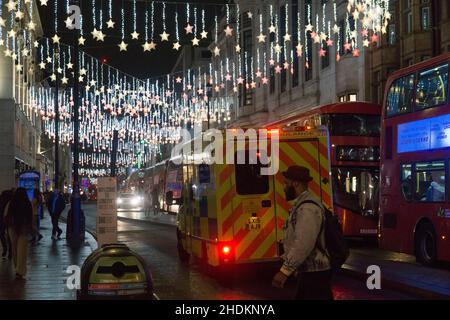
19	224
36	204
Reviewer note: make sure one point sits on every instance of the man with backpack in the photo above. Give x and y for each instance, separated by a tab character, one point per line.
305	251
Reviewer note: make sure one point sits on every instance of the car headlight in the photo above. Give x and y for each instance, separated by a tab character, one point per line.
136	200
119	201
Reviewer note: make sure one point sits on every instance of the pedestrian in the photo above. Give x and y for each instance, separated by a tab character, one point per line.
304	245
5	198
19	220
36	204
57	205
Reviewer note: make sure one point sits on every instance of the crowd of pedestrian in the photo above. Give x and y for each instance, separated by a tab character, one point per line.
21	212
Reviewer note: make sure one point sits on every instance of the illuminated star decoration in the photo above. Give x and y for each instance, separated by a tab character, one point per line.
100	36
55	39
68	23
261	38
43	2
81	41
11	5
189	29
135	35
176	46
216	51
164	36
195	41
123	46
228	31
204	34
110	24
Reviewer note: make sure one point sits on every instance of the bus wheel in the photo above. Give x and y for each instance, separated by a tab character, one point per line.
426	251
183	255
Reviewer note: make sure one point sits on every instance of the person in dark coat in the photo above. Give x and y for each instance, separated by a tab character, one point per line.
57	206
5	198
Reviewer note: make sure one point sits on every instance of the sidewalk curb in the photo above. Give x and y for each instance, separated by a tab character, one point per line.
397	285
147	221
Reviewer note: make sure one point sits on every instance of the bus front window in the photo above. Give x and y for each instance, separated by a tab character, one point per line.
356	189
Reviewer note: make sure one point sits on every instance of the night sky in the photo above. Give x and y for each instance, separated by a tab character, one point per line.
134	62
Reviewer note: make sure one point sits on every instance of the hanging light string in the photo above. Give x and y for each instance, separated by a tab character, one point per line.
146	21
164	16
153	19
123	22
134	15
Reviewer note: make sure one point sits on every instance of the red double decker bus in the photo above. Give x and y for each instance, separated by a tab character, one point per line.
415	161
355	152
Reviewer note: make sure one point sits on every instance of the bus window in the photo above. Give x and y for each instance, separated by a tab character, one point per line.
354	125
400	96
406	182
356	189
432	87
430	181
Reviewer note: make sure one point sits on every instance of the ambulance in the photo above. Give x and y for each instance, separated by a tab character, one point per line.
232	214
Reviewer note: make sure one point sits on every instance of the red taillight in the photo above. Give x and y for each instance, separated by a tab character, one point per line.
226	250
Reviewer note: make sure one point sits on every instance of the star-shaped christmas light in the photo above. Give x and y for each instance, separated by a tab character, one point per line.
299	50
261	38
64	80
336	29
110	24
356	53
286	65
164	36
195	41
330	42
19	15
228	31
49	59
53	77
11	33
176	46
178	79
287	37
123	46
11	5
250	15
31	26
81	40
309	27
278	48
135	35
272	29
100	36
366	43
69	65
42	65
374	38
83	71
56	39
204	35
240	80
347	46
258	74
216	51
238	48
2	22
189	28
322	52
19	67
43	2
69	23
278	69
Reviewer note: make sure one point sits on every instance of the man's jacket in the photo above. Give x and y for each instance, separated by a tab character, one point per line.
304	248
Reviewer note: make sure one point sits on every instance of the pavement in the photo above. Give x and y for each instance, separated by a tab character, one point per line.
398	271
47	264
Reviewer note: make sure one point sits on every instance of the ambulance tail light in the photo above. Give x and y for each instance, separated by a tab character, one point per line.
226	252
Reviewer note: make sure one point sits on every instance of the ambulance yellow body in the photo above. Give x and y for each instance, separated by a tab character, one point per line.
231	214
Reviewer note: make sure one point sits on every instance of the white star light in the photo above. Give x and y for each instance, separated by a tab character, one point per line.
70	65
176	46
100	36
68	23
336	29
261	38
123	46
11	5
19	15
81	41
195	41
272	29
164	36
43	2
204	34
216	52
55	39
31	25
110	24
2	22
287	37
42	65
135	35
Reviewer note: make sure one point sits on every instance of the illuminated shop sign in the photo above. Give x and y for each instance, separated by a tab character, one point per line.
422	135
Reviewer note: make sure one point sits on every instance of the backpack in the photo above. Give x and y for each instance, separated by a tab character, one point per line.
335	243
